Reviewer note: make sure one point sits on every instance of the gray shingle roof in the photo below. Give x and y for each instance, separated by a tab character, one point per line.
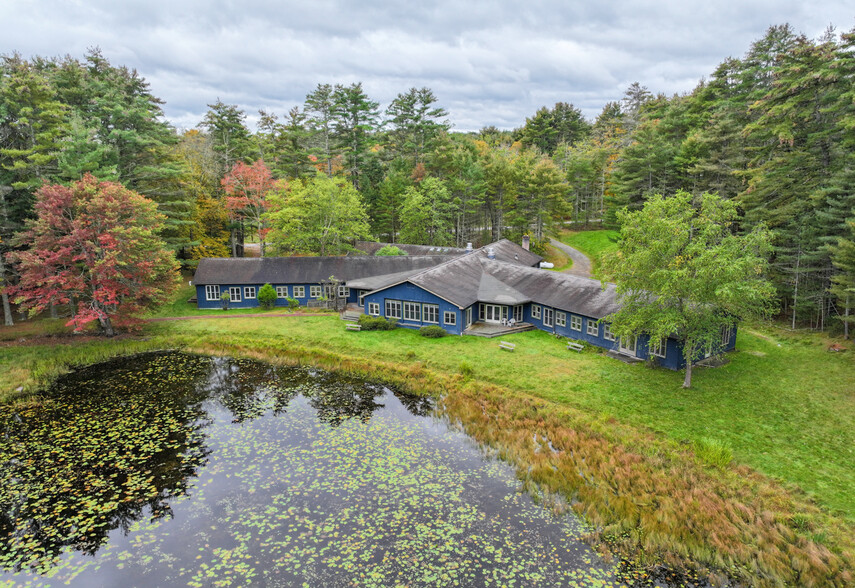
306	270
475	278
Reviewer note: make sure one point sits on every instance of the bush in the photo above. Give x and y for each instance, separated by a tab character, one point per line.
292	302
224	300
390	250
432	331
466	370
376	323
266	296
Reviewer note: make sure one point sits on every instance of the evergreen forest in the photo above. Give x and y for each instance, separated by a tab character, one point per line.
772	130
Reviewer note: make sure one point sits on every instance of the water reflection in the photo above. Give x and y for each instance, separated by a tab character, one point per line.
172	469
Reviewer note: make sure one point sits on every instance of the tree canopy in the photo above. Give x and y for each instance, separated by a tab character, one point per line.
681	269
94	245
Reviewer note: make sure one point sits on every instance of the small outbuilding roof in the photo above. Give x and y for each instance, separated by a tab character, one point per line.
372	247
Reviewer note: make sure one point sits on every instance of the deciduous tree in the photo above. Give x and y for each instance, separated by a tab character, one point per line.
681	269
96	243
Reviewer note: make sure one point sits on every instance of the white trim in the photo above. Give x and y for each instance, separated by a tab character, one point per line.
374	308
234	294
548	316
593	328
315	291
212	293
412	311
249	292
432	309
446	314
658	350
281	291
575	322
607	332
299	291
343	292
395	306
560	318
535	311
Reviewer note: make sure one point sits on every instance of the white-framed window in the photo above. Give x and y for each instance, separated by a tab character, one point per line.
449	317
412	311
374	308
726	334
393	309
658	348
249	292
593	328
607	333
468	316
518	313
430	313
212	292
299	291
314	291
560	319
343	292
575	322
281	291
548	315
362	294
234	294
535	311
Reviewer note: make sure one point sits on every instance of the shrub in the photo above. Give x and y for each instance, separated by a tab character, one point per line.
432	331
267	296
375	323
292	302
713	452
224	300
390	250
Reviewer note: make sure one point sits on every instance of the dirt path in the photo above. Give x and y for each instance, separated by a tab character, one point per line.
581	263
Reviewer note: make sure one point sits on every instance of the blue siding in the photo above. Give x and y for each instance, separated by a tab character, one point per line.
407	292
202	302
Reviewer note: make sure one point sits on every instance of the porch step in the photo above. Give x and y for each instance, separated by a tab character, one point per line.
351	315
491	330
623	357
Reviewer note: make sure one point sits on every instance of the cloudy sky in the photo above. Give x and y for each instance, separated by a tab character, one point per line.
489	63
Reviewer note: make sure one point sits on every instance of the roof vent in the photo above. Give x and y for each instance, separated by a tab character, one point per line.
469	248
491	254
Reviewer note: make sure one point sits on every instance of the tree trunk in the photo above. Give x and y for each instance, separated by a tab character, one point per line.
107	325
687	382
846	320
234	243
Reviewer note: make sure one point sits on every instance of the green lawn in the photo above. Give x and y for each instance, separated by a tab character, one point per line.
783	404
592	243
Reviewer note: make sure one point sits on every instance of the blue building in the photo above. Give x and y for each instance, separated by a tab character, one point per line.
462	291
469	291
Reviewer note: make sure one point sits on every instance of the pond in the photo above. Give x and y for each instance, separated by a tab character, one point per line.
180	470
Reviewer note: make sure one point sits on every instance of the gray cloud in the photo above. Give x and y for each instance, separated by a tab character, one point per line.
490	63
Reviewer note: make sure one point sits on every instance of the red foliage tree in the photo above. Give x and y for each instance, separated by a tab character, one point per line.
246	189
95	244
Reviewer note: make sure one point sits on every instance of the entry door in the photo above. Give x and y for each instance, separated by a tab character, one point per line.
493	313
627	345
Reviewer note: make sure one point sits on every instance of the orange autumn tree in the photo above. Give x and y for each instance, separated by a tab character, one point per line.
247	187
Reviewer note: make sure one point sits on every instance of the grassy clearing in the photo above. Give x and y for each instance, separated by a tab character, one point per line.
558	258
594	244
648	462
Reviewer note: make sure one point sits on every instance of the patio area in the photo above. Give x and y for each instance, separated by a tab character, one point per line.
490	330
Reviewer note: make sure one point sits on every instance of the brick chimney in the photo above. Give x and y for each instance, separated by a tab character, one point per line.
525	242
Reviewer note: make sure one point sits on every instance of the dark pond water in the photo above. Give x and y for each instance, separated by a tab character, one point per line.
174	470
